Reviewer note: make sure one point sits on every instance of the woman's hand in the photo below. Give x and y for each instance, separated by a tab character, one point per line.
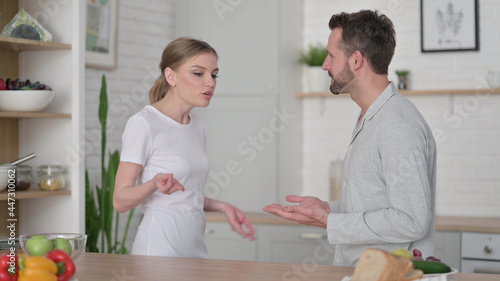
127	195
167	184
237	220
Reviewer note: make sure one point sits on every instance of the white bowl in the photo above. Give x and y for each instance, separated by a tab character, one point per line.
4	176
25	100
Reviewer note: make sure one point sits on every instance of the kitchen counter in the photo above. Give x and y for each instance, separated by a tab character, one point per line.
443	223
93	266
466	224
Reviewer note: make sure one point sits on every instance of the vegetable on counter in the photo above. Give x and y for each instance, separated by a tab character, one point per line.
66	266
431	267
37	269
8	267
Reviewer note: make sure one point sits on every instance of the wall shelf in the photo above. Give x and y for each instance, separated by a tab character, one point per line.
414	92
17	114
33	193
58	134
18	44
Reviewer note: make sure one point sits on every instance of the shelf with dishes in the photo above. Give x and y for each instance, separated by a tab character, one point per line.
54	132
415	92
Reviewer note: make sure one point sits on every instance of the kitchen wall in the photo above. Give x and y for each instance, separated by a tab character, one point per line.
466	127
144	29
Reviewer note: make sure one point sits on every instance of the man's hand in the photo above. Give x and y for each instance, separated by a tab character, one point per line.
310	211
167	184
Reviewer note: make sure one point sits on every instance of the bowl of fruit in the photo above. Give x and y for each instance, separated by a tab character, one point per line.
17	95
42	243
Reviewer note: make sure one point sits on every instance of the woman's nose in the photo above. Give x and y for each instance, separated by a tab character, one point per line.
211	81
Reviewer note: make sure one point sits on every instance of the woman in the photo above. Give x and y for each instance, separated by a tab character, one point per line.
165	145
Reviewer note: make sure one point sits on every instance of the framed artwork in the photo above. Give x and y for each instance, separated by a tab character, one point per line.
101	34
449	25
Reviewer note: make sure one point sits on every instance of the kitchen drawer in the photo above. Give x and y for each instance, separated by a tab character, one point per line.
481	246
480	266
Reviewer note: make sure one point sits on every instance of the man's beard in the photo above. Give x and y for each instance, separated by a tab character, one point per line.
342	79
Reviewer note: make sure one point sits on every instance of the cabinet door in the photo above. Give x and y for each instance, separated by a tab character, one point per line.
447	248
244	34
306	245
223	243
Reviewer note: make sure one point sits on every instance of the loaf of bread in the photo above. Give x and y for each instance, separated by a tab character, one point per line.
379	265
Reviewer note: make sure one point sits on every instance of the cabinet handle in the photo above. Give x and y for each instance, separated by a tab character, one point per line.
312	236
209	231
487	270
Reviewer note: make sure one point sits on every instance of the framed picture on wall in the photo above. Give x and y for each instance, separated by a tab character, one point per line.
449	25
101	34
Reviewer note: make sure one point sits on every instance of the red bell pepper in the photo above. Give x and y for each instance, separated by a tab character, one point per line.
64	263
8	267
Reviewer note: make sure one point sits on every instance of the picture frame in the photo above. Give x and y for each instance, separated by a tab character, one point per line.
101	34
449	25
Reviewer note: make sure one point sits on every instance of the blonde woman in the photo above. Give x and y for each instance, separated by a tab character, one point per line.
164	146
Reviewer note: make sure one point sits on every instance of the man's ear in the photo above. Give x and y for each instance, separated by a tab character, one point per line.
357	60
170	76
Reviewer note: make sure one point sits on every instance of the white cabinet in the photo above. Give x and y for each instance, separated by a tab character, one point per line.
222	243
447	248
294	244
254	118
306	245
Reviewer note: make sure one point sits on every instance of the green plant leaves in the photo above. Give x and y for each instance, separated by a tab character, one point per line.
92	221
314	56
99	214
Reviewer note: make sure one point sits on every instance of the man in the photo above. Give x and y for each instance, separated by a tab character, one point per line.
389	175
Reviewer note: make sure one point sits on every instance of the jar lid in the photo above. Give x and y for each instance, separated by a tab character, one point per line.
49	168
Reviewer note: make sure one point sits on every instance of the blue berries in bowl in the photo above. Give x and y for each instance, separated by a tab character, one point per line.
23	95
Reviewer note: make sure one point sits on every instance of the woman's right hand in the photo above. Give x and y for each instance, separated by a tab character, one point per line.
167	184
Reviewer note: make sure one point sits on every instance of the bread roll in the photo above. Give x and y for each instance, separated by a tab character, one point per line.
379	265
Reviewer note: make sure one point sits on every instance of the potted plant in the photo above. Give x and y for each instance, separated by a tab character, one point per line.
101	219
317	80
402	77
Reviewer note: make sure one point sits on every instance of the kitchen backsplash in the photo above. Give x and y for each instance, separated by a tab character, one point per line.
466	127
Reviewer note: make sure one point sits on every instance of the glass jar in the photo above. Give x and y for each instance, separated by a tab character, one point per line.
51	177
23	177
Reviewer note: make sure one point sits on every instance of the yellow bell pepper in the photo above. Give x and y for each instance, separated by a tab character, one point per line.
37	269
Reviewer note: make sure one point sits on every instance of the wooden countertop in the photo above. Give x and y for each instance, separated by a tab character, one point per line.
443	223
465	224
93	266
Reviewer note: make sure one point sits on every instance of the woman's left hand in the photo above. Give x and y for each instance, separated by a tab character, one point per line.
239	222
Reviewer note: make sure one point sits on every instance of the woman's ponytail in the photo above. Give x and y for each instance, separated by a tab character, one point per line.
159	89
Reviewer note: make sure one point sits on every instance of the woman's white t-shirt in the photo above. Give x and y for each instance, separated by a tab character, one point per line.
173	225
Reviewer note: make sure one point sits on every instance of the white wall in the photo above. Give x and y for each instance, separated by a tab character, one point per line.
466	127
144	29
